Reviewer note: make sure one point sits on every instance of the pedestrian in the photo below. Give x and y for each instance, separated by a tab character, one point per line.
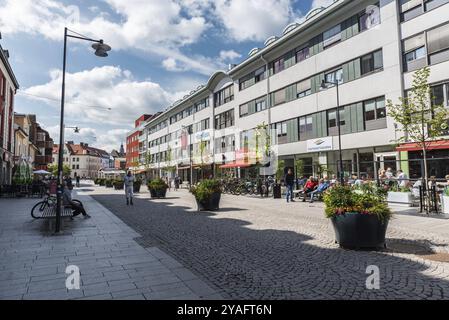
68	202
402	179
129	188
310	186
176	183
289	182
77	181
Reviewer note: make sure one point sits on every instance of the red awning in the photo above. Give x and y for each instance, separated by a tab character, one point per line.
235	165
434	145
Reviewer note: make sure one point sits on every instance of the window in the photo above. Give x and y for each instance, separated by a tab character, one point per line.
438	44
332	36
261	104
77	166
278	65
224	120
224	96
334	76
252	78
437	95
410	9
259	74
371	62
302	54
303	88
375	109
332	120
279	97
306	128
370	18
432	4
243	110
201	105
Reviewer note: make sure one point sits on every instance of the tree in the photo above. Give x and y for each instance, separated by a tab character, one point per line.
299	167
53	168
421	121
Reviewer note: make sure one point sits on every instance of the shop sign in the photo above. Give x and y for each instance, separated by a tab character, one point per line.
320	144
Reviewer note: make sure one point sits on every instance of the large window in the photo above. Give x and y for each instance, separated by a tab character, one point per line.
437	95
252	78
303	88
224	120
302	54
414	52
371	62
202	125
278	65
201	105
413	8
306	128
332	36
224	96
370	18
279	97
332	121
334	76
375	109
438	44
244	110
261	104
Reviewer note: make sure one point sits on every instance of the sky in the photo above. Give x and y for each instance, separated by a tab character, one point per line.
161	50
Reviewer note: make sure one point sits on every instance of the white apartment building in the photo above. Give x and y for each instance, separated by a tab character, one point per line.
371	47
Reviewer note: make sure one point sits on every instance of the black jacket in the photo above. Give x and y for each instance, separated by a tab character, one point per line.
289	179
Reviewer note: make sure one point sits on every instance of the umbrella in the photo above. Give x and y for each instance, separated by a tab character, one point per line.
41	172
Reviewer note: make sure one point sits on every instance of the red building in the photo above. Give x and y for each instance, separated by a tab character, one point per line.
132	143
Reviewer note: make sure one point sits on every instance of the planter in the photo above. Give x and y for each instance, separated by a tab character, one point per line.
400	198
355	230
277	194
445	204
118	187
211	204
158	193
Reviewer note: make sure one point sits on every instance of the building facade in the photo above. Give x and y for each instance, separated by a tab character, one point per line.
83	160
134	143
25	151
275	98
8	88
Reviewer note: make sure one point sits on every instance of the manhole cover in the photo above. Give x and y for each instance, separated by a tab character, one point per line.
439	256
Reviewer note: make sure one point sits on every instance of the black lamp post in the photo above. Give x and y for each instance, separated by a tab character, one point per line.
101	50
340	166
185	128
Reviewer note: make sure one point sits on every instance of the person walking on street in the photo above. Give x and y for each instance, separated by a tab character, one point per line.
129	188
77	181
289	182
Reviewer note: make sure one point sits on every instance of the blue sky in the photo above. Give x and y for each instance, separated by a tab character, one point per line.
162	49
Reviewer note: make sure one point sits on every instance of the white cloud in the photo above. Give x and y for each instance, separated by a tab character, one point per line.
106	86
254	20
229	55
156	27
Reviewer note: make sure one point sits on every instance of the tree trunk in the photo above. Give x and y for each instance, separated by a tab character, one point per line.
426	181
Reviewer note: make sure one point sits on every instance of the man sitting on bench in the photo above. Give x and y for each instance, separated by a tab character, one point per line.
310	185
323	185
68	202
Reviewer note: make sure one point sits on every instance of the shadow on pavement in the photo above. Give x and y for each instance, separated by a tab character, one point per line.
246	263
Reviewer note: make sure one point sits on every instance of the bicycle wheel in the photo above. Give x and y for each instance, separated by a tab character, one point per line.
39	207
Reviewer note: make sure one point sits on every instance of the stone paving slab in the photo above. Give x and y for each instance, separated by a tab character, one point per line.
256	248
112	264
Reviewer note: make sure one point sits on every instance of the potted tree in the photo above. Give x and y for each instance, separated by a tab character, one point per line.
400	195
359	216
158	188
207	194
118	184
108	183
136	185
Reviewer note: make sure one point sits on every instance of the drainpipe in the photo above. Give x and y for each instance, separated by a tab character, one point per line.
268	90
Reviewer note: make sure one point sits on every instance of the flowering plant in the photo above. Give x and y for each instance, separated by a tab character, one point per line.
340	200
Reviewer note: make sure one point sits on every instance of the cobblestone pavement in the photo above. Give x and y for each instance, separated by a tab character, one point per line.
112	264
267	249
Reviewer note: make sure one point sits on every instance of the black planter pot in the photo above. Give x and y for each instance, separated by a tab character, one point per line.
158	193
355	230
277	191
211	204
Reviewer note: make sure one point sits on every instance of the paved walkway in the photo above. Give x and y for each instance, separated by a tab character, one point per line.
111	263
267	249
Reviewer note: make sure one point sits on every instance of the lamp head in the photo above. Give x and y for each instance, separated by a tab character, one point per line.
101	49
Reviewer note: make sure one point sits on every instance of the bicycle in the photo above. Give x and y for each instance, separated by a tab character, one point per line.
49	201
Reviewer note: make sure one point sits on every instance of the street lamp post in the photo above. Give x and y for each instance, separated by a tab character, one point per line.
190	153
101	50
340	169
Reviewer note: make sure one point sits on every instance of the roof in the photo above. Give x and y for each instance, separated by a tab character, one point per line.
5	60
83	149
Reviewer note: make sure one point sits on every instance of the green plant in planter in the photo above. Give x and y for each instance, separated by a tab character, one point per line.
108	183
118	184
204	190
137	183
102	182
340	200
157	185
